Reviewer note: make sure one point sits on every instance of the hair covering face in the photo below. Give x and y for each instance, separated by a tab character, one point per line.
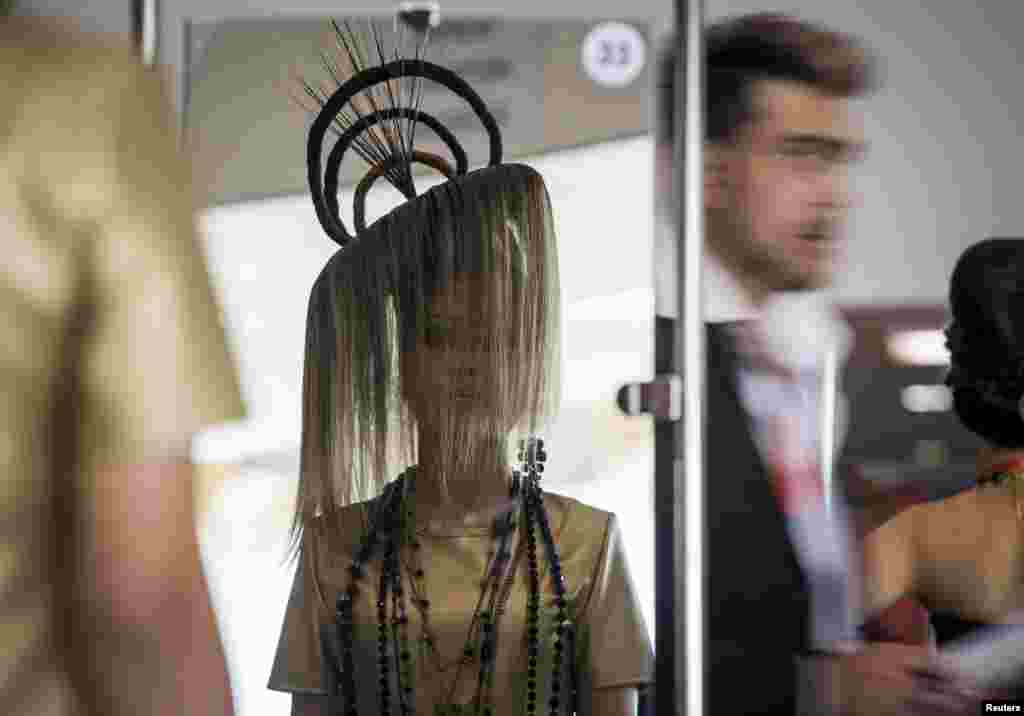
483	239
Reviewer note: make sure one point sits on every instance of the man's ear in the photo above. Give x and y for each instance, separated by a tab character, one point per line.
716	178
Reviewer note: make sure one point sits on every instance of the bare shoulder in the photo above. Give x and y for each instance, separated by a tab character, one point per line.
950	525
889	561
970	553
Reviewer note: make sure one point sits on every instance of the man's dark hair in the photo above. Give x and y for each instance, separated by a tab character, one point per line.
764	46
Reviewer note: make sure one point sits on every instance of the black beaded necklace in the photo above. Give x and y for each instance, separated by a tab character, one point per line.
392	527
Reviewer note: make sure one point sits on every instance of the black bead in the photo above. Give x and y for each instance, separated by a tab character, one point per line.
531	696
531	685
419	573
531	673
406	656
533	660
554	702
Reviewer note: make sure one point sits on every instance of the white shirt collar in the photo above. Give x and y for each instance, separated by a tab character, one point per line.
725	300
798	324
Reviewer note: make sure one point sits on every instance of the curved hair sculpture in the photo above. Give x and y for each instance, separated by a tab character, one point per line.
489	229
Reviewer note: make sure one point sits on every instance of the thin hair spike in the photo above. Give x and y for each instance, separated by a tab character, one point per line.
416	91
393	125
388	142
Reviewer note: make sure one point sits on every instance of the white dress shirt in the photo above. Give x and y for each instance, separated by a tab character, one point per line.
797	328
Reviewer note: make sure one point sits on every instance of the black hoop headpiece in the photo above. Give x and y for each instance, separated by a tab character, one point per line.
324	185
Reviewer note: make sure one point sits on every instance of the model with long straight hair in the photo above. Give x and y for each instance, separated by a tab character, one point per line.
434	575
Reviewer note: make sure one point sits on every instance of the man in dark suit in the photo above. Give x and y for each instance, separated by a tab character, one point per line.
781	588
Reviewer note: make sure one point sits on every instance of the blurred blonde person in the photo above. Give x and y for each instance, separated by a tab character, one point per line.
113	357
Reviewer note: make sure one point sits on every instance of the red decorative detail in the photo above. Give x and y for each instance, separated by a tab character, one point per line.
1013	466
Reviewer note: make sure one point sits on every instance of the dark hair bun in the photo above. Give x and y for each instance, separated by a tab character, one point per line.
986	340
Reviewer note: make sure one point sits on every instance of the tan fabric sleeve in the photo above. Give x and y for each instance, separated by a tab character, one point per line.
156	368
296	666
620	647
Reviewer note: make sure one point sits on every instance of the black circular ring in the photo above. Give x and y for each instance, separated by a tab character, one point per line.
333	225
359	208
332	170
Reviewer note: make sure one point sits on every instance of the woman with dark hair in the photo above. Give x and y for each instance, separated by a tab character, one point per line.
459	587
963	557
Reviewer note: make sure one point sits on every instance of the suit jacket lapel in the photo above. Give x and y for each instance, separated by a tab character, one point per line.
751	543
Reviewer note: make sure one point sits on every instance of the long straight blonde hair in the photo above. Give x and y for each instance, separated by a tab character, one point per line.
369	306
